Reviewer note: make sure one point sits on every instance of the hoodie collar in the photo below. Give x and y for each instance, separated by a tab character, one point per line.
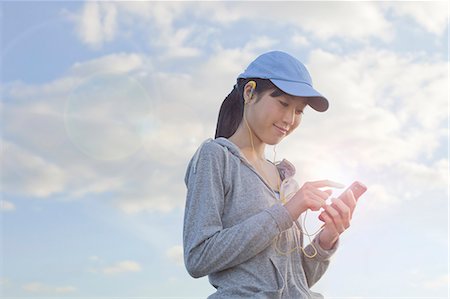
285	168
233	148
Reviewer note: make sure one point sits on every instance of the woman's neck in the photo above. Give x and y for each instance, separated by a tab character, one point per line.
241	139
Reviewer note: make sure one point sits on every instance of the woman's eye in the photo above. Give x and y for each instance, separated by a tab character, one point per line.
298	112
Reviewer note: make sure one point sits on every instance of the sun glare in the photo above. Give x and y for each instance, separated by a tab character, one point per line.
333	171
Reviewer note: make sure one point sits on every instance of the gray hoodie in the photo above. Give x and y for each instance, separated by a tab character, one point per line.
232	224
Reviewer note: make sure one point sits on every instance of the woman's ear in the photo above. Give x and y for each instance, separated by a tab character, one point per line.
249	90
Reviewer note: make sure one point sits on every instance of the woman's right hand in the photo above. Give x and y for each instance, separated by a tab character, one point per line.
309	196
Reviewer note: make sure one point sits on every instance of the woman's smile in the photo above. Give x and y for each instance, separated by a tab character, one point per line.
282	131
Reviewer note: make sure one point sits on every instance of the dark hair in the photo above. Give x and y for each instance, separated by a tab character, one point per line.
232	108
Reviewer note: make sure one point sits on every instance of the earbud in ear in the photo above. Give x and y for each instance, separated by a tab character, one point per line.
253	85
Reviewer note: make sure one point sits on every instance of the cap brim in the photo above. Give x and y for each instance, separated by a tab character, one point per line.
317	101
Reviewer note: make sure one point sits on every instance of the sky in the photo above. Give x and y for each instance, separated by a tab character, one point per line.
103	104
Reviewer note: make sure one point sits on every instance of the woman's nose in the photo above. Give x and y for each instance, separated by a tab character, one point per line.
289	117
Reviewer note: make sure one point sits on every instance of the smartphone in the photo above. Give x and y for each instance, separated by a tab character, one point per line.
357	188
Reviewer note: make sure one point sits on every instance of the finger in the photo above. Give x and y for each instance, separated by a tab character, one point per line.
322	216
322	194
316	202
326	218
345	212
333	200
336	217
351	201
326	183
329	223
329	192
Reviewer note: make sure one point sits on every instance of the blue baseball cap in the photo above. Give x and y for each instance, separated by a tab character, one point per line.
288	74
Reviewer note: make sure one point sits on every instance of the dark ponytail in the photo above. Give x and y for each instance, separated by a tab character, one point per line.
232	108
230	113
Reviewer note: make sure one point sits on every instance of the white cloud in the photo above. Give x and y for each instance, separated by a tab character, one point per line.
54	166
22	92
438	282
25	172
40	288
300	40
92	110
162	13
260	43
122	267
380	197
420	11
4	282
343	20
97	23
222	12
322	20
433	176
175	255
158	18
101	125
151	193
104	114
382	93
99	183
100	22
6	205
117	63
94	258
114	269
131	203
174	41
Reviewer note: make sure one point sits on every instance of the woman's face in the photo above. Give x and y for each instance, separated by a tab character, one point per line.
273	118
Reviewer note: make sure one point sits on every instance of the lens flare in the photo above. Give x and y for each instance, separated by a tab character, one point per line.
332	170
104	116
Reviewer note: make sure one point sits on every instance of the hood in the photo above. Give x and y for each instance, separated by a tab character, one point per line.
285	168
231	147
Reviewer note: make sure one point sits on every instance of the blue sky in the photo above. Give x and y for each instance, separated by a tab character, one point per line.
104	103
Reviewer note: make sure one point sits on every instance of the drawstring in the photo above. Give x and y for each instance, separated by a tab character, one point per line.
297	228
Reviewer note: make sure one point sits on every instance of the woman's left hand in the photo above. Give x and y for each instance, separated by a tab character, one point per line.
337	217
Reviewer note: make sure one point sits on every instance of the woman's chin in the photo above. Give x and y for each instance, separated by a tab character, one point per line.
273	140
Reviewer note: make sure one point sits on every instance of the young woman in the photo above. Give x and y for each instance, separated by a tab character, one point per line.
241	220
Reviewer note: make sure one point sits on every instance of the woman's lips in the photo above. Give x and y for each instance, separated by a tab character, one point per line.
281	130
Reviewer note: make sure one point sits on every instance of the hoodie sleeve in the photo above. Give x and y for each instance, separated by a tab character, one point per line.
315	267
208	246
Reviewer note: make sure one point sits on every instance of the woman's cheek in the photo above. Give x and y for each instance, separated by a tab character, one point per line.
294	126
